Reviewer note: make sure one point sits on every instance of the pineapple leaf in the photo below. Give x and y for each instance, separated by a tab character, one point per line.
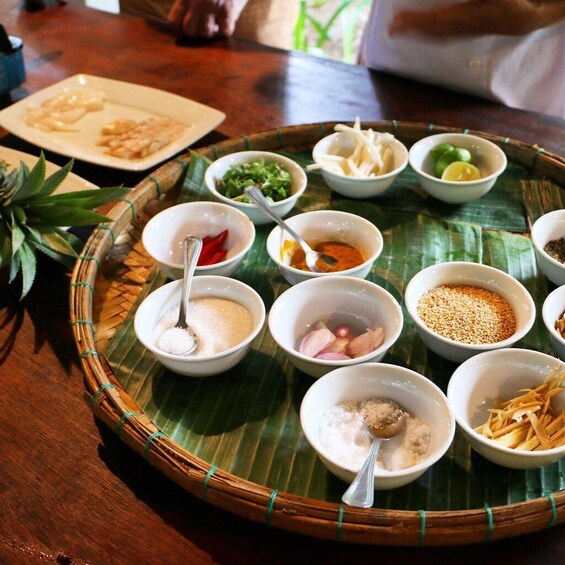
18	236
32	182
57	243
14	266
28	264
85	198
54	180
63	216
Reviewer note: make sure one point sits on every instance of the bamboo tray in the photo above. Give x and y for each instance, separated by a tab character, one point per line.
255	462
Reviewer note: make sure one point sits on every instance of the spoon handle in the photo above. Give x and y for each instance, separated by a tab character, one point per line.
191	247
258	198
361	491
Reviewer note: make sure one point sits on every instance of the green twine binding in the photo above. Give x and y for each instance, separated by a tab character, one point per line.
394	126
89	258
246	143
85	322
119	428
103	227
83	283
157	184
466	130
88	352
131	205
506	141
205	483
430	128
340	521
97	394
182	163
540	150
322	128
215	152
281	138
270	507
148	443
422	514
490	523
553	518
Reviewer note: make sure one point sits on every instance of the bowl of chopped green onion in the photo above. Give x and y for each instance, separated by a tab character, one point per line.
281	180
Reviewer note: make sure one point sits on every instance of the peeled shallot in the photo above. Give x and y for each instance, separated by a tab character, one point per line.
341	343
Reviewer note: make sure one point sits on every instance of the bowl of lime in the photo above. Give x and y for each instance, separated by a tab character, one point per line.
456	167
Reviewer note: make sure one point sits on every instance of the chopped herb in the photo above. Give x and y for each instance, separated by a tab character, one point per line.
272	178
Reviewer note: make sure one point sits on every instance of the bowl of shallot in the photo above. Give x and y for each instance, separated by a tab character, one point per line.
325	323
359	163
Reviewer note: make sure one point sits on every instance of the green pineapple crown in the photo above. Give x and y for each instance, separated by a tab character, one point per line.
32	218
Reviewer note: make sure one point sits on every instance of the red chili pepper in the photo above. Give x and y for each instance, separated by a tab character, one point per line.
213	249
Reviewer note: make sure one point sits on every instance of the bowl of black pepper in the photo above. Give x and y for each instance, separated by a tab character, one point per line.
548	238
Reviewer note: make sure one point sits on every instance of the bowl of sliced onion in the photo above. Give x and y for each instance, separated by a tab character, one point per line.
359	163
325	323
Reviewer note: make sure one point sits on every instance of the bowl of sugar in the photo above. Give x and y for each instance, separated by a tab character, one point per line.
331	416
224	313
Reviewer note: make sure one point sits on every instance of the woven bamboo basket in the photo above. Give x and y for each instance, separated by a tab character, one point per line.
108	278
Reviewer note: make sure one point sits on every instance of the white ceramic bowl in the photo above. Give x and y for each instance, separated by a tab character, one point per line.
469	274
485	155
419	396
343	143
334	301
478	382
163	235
552	309
547	228
326	225
219	167
167	297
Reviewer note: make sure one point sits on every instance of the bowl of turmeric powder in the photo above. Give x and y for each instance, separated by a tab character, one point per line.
352	241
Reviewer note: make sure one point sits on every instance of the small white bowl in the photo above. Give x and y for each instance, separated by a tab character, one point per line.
547	228
326	225
218	168
334	301
485	155
469	274
478	382
163	235
343	143
552	309
167	297
419	396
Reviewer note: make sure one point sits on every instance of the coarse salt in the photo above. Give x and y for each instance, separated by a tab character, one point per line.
343	433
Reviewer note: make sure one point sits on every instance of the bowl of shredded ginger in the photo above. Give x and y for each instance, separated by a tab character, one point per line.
510	406
280	179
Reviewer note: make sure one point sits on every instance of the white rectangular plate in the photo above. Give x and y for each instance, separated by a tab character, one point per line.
72	182
123	100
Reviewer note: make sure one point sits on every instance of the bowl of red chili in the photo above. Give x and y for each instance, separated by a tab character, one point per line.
227	235
354	242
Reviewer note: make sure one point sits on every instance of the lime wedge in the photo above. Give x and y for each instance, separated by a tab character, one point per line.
459	171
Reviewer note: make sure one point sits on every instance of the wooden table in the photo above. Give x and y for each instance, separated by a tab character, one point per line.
70	491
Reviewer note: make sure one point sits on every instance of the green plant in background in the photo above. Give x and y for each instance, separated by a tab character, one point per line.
32	218
344	20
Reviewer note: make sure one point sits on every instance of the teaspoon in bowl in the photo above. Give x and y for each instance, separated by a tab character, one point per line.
181	339
312	257
361	491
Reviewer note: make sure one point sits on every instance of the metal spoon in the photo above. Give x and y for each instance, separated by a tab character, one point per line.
312	257
191	247
361	491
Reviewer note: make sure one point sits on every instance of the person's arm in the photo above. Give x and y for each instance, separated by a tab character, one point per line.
205	18
481	17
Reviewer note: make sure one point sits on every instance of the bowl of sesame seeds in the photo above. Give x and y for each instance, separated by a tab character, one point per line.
461	308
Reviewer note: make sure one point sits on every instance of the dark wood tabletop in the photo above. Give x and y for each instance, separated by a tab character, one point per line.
70	491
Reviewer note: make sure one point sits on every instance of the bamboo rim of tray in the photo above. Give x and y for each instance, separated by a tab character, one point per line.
110	274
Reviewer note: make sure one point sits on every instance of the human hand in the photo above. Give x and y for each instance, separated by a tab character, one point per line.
205	18
480	17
